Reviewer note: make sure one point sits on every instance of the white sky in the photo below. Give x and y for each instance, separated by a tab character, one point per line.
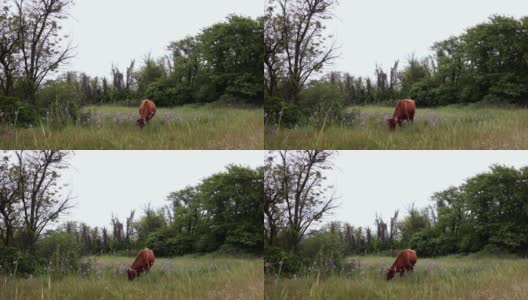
371	182
114	32
381	31
107	182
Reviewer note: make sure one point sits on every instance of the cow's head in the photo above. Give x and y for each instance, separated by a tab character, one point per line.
141	123
390	273
392	123
131	274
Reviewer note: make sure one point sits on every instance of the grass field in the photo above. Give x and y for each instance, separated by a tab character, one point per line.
452	127
114	127
442	278
177	278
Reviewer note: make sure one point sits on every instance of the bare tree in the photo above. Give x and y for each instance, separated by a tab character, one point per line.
117	229
40	40
393	231
306	50
41	194
129	82
129	231
307	199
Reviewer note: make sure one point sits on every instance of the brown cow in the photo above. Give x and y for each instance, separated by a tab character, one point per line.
144	261
404	262
147	110
405	110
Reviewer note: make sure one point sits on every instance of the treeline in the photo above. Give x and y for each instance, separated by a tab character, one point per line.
221	63
486	214
296	197
223	213
486	64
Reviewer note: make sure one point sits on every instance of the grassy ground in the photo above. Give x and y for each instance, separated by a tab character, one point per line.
113	127
177	278
442	278
453	127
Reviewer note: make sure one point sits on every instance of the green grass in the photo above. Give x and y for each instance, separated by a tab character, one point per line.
442	278
177	278
452	127
187	127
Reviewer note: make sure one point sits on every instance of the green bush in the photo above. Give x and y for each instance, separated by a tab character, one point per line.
14	262
166	93
62	253
15	112
164	243
280	263
325	251
59	103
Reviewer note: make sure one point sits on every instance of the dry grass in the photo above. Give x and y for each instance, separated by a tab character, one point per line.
113	127
442	278
455	127
177	278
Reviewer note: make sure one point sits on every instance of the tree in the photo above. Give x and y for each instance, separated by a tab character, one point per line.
9	51
9	199
41	193
40	40
305	45
306	198
274	189
273	47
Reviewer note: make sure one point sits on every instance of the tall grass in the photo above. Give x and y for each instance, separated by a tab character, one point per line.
453	127
442	278
114	127
177	278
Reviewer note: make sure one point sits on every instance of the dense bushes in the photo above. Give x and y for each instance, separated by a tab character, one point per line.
14	262
321	103
15	112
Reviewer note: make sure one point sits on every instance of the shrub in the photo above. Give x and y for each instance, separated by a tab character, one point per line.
280	263
13	111
14	262
59	103
62	253
166	93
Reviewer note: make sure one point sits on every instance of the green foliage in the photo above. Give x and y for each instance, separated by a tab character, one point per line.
62	253
60	102
320	103
224	62
15	263
325	251
166	93
165	243
14	111
281	263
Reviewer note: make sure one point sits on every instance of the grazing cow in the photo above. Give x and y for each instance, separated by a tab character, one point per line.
147	110
405	110
404	262
144	261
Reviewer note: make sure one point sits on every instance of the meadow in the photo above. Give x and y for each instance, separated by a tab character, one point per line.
185	277
439	278
114	127
452	127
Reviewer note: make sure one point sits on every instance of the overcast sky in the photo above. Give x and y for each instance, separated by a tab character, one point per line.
116	31
107	182
381	31
371	182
